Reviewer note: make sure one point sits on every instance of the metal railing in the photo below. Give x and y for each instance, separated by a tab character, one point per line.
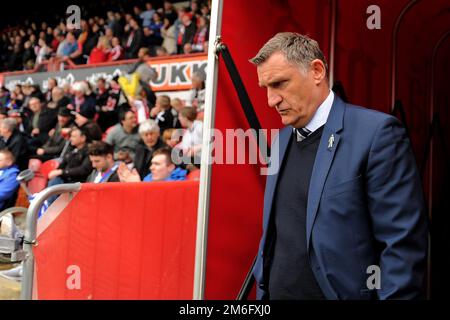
30	233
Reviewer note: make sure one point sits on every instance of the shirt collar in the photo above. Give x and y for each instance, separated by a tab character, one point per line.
321	115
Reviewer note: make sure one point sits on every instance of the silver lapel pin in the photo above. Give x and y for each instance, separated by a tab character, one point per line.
331	141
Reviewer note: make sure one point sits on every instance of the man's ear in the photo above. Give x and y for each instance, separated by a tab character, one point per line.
318	70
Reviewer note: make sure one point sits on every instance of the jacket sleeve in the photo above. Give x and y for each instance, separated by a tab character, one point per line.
397	210
80	172
8	186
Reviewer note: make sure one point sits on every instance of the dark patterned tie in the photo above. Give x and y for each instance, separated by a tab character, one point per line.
302	133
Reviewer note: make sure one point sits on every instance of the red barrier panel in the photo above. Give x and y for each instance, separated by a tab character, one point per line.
119	241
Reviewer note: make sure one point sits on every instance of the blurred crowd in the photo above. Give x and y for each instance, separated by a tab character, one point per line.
166	30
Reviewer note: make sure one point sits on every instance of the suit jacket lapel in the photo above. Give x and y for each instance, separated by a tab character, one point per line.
323	161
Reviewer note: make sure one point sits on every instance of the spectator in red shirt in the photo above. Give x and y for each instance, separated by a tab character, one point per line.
101	52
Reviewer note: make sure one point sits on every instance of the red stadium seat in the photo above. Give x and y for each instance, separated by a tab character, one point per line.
38	183
48	166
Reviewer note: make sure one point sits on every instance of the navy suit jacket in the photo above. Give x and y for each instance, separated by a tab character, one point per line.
365	208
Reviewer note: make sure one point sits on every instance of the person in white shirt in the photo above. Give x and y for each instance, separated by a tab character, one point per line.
191	144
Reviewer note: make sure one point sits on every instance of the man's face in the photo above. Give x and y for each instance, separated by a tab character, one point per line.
150	138
160	167
57	94
130	120
5	161
77	139
35	105
63	120
101	163
4	132
51	84
290	90
141	53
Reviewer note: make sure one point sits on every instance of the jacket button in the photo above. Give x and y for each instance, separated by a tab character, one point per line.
261	285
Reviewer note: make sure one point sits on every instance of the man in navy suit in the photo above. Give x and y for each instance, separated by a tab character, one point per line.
344	213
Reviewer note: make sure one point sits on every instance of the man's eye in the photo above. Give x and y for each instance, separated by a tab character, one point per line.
278	84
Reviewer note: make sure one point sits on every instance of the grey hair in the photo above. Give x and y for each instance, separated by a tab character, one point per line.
199	75
297	48
148	125
9	123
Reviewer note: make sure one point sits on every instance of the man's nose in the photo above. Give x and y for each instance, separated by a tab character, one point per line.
273	98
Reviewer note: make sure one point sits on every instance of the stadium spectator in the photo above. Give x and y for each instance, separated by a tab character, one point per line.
171	137
4	96
85	121
196	97
15	141
149	132
161	52
114	24
82	101
101	155
42	121
29	57
125	133
134	39
56	141
123	155
168	34
188	32
191	144
8	183
146	74
51	84
147	15
169	11
87	40
59	99
161	169
155	27
108	115
162	113
22	120
117	52
75	165
43	52
100	53
201	36
71	49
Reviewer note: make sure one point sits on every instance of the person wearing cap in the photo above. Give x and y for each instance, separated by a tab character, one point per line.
56	141
84	119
